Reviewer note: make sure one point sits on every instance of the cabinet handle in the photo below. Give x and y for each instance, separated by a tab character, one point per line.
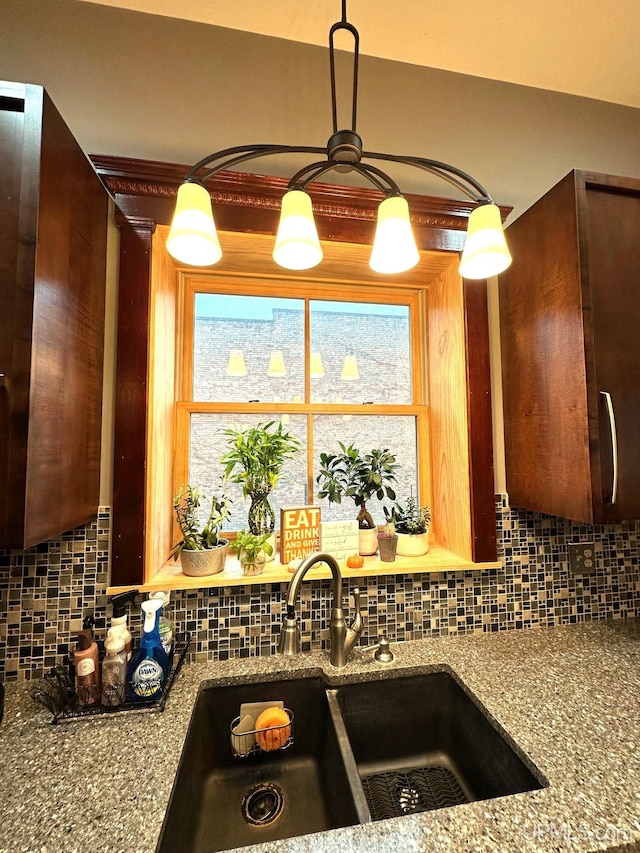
614	444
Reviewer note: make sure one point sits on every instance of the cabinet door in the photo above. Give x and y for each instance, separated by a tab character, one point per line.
53	225
612	241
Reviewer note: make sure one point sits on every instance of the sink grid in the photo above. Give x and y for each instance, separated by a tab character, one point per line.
394	794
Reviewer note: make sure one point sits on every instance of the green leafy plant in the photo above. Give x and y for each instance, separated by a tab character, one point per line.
248	545
254	459
410	518
186	504
359	477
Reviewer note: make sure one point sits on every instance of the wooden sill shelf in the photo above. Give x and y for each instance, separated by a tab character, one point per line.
438	560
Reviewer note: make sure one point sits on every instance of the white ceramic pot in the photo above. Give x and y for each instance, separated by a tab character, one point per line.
412	544
367	541
197	564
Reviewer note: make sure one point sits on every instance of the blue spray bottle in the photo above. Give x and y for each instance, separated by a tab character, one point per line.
149	666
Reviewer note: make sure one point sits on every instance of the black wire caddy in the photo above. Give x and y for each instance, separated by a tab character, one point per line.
58	694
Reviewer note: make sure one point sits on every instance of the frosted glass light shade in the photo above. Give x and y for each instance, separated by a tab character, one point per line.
485	250
394	246
297	245
193	238
236	365
276	369
350	370
316	367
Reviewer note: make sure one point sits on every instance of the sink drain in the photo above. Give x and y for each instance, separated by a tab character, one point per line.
262	804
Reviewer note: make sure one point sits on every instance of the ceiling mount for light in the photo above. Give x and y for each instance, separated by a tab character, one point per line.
193	238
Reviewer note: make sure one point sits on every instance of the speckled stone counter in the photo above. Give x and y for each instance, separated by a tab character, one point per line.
569	697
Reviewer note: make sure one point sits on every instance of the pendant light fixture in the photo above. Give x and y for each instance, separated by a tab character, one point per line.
193	239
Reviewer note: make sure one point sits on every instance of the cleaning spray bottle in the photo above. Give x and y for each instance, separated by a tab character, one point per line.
165	626
119	617
149	665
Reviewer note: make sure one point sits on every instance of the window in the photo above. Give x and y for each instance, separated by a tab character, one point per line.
332	363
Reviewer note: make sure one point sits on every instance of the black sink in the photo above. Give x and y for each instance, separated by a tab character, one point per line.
206	809
421	742
362	751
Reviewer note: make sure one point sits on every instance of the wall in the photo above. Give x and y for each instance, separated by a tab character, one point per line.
145	86
46	592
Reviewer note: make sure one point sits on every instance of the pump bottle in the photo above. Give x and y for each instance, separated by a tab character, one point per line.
87	665
119	617
149	665
114	669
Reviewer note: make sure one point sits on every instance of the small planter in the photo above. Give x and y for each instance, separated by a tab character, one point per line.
367	541
387	547
254	567
210	561
412	544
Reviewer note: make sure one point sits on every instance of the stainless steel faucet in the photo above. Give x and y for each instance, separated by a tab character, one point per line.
342	637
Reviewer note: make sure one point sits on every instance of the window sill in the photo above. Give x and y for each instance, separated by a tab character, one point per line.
438	560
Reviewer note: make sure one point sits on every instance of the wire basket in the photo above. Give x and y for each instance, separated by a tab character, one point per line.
261	741
58	694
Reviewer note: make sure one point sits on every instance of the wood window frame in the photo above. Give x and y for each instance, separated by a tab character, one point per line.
248	204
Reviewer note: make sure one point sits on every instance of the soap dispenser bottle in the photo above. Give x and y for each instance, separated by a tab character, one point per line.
149	665
119	618
114	669
87	666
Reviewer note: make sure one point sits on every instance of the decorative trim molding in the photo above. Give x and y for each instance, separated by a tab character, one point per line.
126	177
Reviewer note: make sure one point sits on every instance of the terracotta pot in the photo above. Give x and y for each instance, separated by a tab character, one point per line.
197	564
412	544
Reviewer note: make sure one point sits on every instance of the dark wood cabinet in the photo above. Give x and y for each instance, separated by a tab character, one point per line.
53	228
570	315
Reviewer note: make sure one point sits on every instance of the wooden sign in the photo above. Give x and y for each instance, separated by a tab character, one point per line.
339	538
299	532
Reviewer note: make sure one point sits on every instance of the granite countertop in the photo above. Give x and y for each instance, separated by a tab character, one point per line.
568	696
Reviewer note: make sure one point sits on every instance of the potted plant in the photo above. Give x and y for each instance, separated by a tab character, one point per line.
412	527
252	550
254	459
359	477
202	551
387	540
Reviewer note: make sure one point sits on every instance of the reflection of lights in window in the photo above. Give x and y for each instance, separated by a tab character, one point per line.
316	368
236	365
276	369
297	399
350	369
339	402
284	420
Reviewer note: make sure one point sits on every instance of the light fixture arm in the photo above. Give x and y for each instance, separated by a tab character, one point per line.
308	174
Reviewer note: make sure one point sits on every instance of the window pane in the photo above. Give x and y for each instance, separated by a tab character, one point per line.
240	340
365	351
208	445
397	434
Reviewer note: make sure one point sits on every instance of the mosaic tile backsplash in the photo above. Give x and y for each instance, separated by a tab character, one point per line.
47	591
